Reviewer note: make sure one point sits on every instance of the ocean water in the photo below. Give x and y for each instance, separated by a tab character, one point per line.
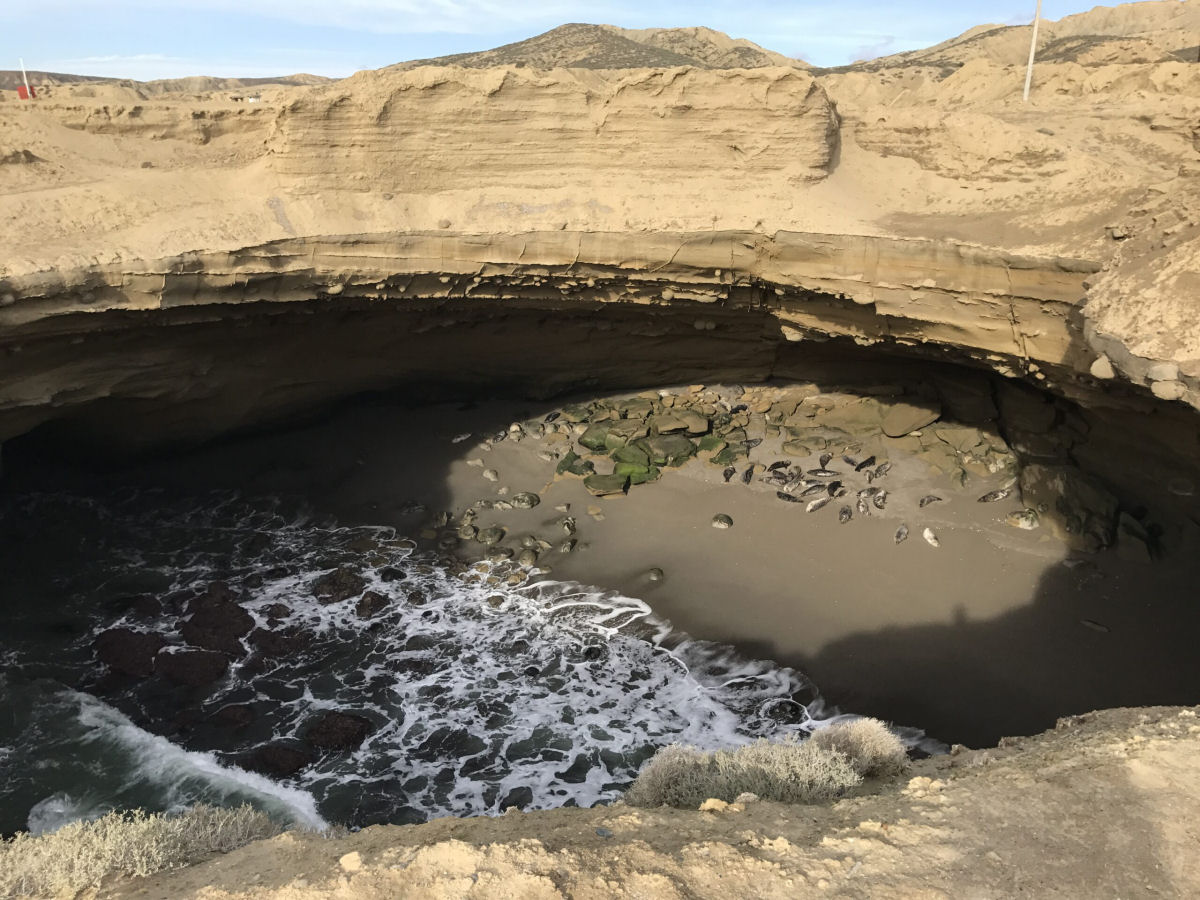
479	697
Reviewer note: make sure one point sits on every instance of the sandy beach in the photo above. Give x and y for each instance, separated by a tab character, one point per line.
996	631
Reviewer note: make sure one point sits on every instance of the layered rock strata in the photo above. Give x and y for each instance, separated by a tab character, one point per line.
75	337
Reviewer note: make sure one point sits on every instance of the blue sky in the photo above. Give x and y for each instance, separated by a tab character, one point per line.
147	39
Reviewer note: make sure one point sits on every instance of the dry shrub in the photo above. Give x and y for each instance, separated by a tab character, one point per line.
867	744
788	771
82	854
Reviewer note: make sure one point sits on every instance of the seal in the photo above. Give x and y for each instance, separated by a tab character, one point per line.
729	472
866	463
901	534
929	498
845	514
817	504
993	496
930	537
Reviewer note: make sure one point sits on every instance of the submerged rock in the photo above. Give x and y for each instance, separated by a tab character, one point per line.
371	604
525	500
722	521
129	652
276	759
339	731
217	623
338	585
193	668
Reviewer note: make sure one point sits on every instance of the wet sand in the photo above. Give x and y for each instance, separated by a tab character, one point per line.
996	632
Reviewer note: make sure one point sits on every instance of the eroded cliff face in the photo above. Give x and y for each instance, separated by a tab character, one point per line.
534	130
248	330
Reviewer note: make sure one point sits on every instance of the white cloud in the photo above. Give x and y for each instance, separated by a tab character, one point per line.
379	16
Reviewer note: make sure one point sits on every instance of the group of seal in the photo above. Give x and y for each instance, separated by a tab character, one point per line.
820	486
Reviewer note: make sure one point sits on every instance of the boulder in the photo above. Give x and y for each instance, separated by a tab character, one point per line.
905	418
129	652
694	423
338	731
573	464
635	407
668	423
606	485
594	438
1167	390
1102	368
623	432
193	668
669	449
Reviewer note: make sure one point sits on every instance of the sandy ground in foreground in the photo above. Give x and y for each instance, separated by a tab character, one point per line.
1105	806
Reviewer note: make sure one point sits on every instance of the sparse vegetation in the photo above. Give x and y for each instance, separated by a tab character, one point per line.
867	744
82	854
788	771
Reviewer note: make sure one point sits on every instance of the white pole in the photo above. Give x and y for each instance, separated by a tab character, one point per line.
26	77
1037	18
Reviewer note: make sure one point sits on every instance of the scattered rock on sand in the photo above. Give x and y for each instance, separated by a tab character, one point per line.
525	500
606	485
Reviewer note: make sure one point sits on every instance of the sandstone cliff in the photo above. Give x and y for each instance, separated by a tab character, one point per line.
933	207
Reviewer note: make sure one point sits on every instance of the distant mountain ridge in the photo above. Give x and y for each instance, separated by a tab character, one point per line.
582	46
1150	31
10	79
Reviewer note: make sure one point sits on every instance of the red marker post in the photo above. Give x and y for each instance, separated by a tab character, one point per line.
26	92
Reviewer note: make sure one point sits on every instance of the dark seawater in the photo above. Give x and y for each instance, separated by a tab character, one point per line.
539	695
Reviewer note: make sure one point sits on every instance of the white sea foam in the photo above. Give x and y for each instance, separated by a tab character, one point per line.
183	776
479	696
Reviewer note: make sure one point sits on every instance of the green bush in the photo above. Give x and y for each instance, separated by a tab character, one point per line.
788	771
80	855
